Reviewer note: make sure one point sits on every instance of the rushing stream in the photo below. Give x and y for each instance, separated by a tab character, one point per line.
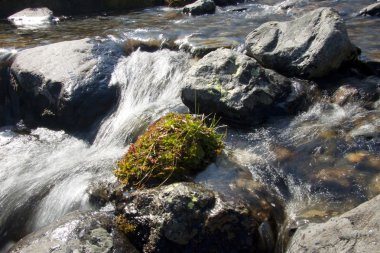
320	163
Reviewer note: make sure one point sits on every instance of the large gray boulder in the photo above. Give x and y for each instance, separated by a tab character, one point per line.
200	7
186	217
76	232
370	10
66	84
235	87
310	46
355	231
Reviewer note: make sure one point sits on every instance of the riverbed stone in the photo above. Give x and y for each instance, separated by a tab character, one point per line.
235	87
311	46
76	232
68	7
66	85
200	7
354	231
32	16
186	217
371	10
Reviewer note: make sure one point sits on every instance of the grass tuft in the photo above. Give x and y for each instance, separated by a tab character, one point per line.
173	148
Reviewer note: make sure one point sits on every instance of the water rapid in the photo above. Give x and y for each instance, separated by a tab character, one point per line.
319	163
46	174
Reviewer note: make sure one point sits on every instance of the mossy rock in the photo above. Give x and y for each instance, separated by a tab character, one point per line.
172	149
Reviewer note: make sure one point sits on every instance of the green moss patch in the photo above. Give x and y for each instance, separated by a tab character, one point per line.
173	148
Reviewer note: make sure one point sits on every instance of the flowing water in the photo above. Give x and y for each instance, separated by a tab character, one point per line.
320	163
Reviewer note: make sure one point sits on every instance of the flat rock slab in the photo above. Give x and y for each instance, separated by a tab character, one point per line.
309	47
355	231
66	83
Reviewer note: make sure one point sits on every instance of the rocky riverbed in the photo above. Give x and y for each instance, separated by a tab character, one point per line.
294	86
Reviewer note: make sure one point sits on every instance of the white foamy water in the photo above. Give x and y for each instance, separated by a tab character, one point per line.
46	174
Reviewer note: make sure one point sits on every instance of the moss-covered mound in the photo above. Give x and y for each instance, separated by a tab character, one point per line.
173	148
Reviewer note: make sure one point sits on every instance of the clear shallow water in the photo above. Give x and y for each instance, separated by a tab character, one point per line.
226	27
320	163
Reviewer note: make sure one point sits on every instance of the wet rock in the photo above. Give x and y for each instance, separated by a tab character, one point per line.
6	91
76	232
345	94
311	46
360	91
338	177
199	47
239	90
66	85
32	16
100	192
354	231
370	10
178	3
6	57
148	45
200	7
374	187
288	4
186	217
227	2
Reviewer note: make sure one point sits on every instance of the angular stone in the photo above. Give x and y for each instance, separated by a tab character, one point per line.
310	46
238	89
354	231
200	7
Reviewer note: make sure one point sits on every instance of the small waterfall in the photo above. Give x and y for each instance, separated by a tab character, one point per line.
150	85
46	174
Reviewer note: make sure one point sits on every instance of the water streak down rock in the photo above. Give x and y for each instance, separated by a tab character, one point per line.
310	47
66	84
